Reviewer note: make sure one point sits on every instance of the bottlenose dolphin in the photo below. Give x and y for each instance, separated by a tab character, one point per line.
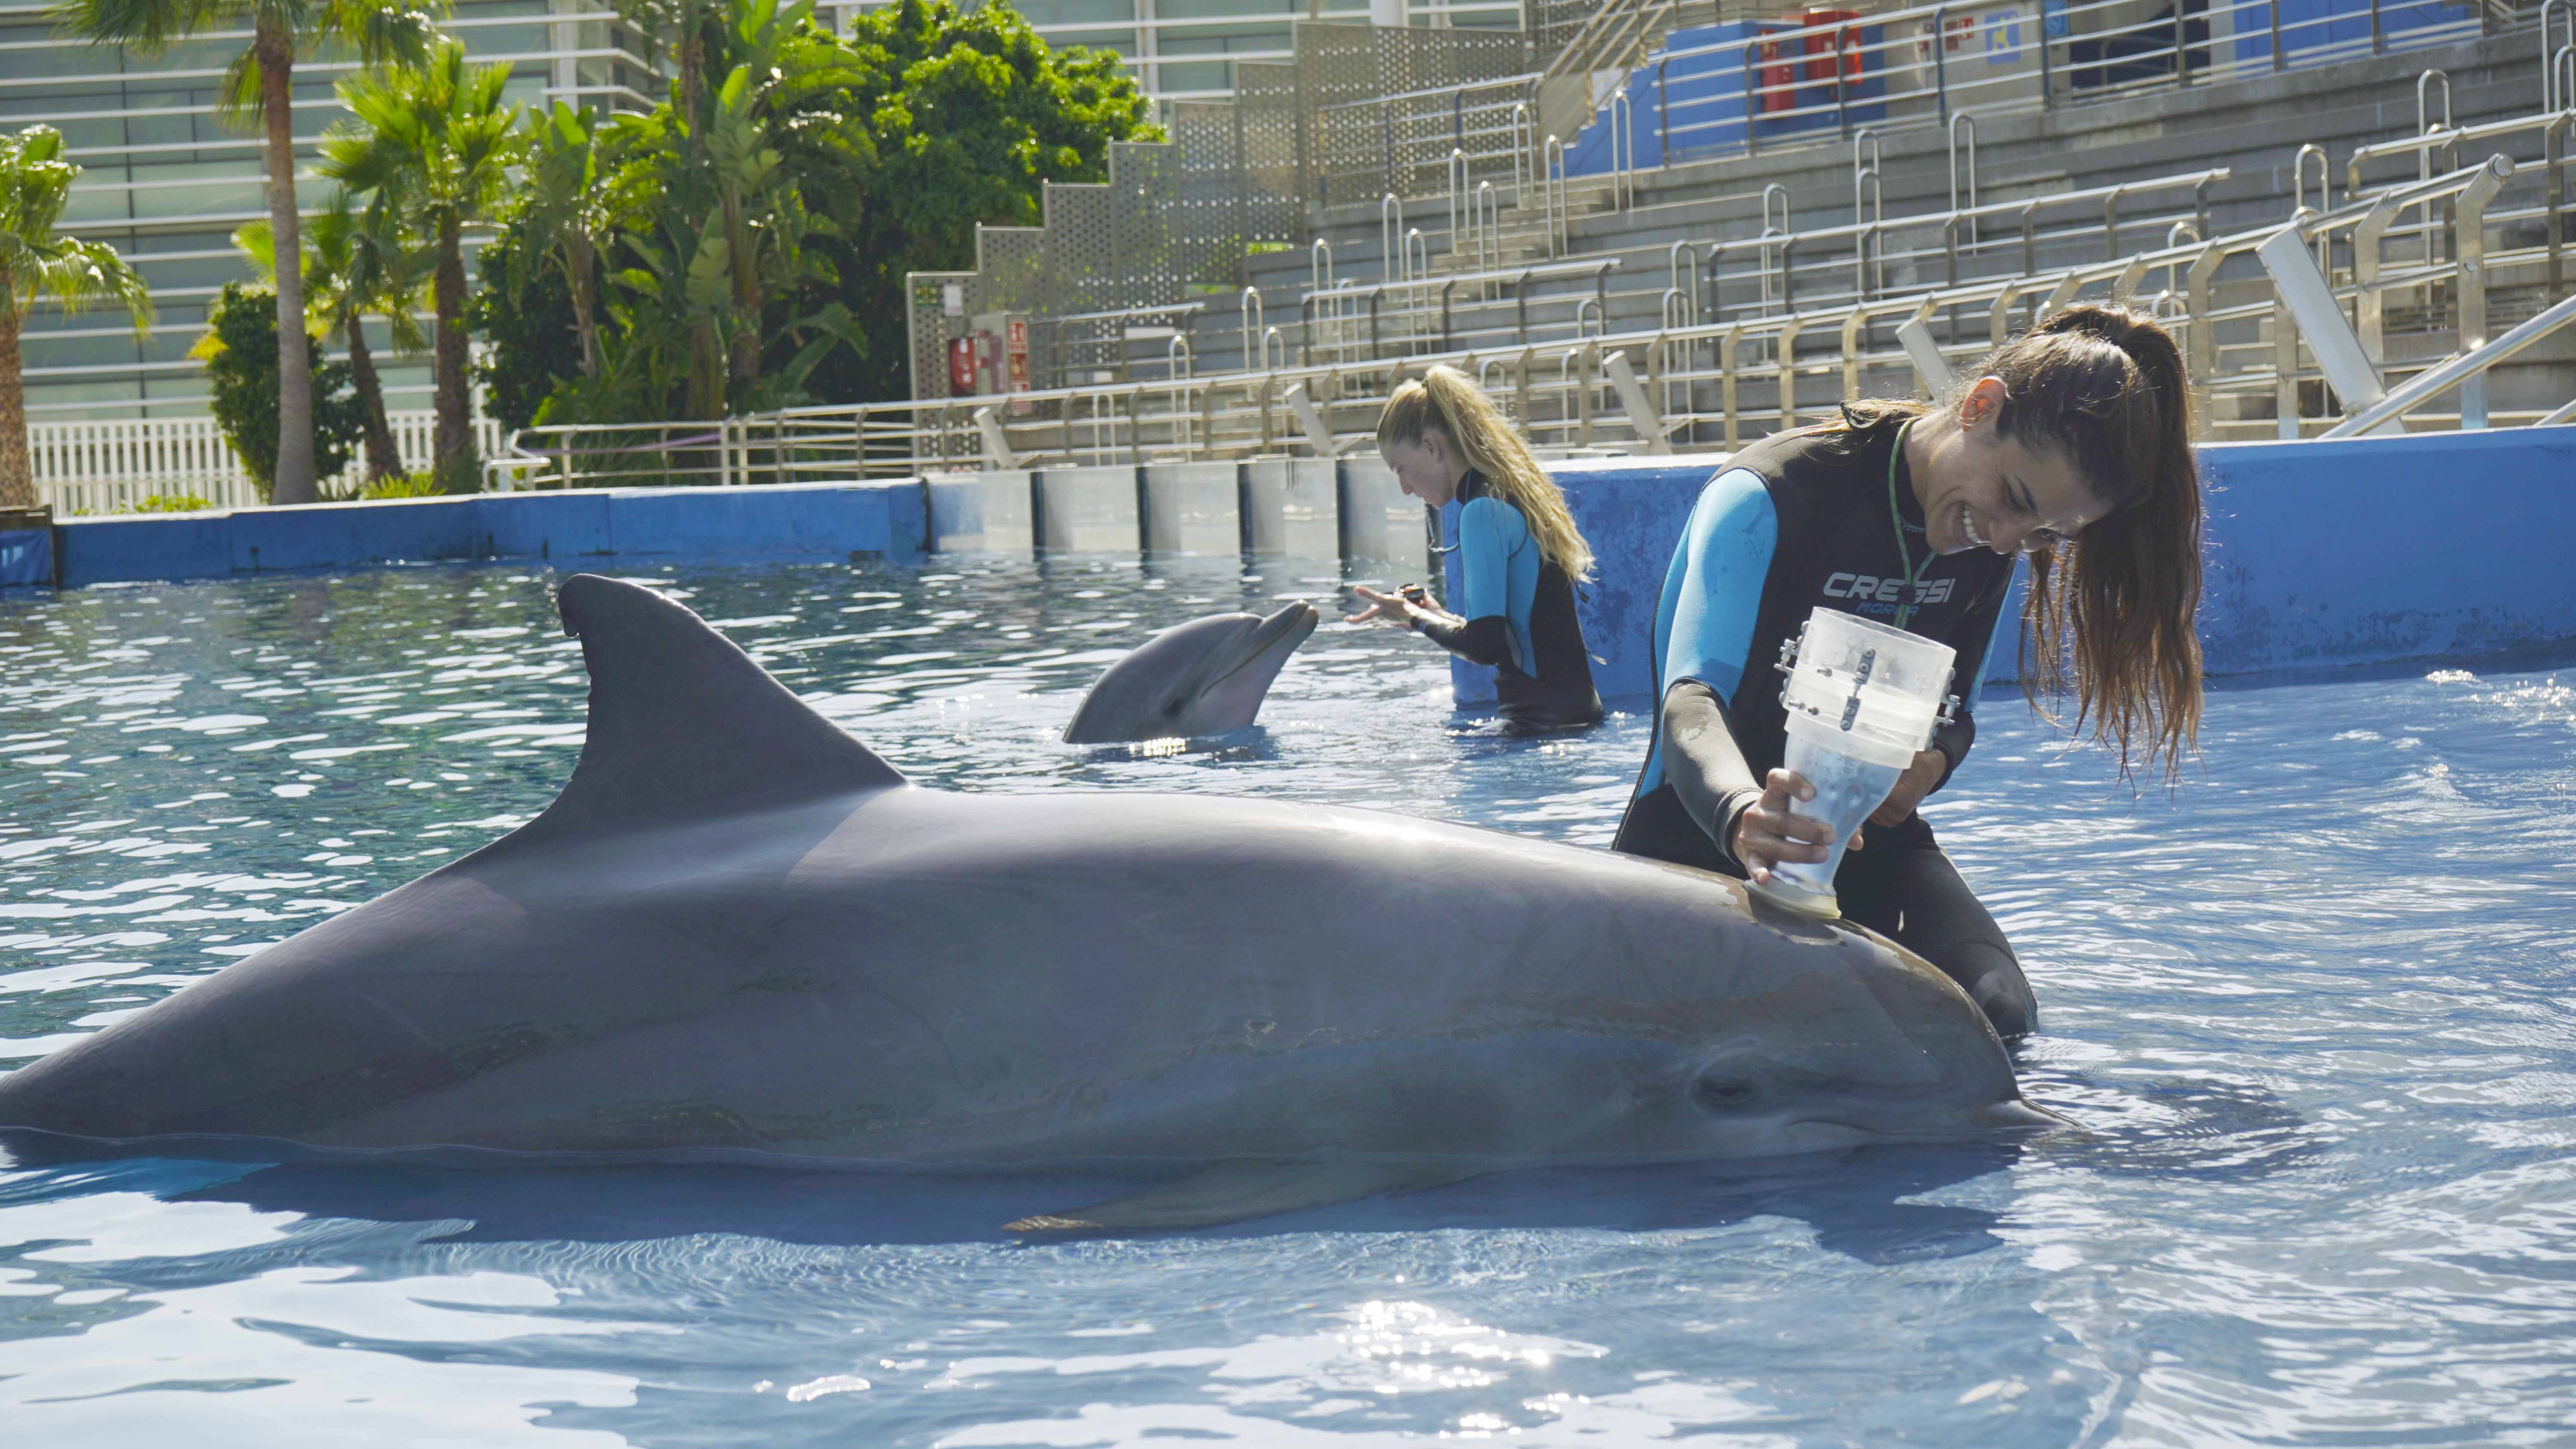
739	933
1204	677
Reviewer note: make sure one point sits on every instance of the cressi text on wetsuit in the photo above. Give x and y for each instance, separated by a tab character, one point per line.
1820	517
1519	608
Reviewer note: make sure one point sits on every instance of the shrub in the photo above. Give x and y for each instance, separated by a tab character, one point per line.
240	353
423	484
172	503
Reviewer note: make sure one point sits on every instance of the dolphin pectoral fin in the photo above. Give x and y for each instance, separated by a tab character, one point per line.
1233	1192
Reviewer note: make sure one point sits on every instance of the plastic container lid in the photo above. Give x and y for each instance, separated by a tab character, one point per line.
1865	689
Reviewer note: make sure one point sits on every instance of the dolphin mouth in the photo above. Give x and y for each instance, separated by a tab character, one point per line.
1265	640
2015	1115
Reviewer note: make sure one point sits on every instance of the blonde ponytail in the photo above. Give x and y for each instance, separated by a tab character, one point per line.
1444	400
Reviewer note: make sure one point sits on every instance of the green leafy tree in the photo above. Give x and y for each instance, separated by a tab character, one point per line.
563	215
36	262
524	312
970	114
432	147
357	264
742	238
240	352
260	84
723	272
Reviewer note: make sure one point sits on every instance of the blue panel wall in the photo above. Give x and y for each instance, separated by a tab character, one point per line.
1688	99
1630	511
2319	554
572	524
2437	545
827	519
26	557
2310	25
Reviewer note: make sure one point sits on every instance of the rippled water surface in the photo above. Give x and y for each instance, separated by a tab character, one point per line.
2314	1012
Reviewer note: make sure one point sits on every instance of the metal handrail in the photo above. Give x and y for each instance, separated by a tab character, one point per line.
2433	382
2193	179
1534	272
1434	92
2425	142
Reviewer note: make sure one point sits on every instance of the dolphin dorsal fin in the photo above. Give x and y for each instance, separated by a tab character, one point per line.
684	725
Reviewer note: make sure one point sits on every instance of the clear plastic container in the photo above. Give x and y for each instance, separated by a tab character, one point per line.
1861	700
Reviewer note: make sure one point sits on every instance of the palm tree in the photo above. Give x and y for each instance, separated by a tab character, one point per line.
260	84
34	182
433	146
565	209
356	264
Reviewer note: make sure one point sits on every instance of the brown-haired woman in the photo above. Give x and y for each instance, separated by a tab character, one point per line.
1519	552
2071	446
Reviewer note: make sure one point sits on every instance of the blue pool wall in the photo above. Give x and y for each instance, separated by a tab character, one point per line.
2437	546
834	520
2318	554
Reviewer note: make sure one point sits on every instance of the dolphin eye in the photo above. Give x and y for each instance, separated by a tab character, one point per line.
1171	708
1724	1094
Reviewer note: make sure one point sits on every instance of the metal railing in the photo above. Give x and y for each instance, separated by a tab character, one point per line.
1709	384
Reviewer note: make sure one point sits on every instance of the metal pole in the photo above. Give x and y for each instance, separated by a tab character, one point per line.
2378	36
2047	86
1752	97
1842	98
1663	113
1941	69
2280	62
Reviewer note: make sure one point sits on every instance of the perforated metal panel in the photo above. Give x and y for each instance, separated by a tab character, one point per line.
1011	270
1265	99
1180	212
929	328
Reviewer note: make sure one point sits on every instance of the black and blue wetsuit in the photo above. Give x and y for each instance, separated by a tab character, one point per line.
1796	521
1519	608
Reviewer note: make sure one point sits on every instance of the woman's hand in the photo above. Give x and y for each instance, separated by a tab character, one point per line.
1400	609
1769	832
1911	787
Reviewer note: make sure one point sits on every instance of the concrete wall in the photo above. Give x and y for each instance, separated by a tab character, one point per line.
2435	546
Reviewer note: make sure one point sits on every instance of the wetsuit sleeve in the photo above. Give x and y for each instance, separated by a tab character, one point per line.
1484	578
1725	559
1704	765
1978	635
1486	640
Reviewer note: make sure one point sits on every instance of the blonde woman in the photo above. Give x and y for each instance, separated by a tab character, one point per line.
1519	553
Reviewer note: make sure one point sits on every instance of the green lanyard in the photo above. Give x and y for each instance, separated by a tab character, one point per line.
1904	554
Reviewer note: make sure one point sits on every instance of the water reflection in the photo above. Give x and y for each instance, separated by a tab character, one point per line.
2312	1010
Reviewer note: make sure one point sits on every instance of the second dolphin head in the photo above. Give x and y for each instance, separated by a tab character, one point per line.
1204	677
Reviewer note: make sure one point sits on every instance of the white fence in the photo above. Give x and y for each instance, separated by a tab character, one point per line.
111	467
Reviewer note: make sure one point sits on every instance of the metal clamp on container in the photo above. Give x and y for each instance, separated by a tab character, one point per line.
1862	700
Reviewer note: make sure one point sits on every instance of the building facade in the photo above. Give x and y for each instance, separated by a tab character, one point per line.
166	179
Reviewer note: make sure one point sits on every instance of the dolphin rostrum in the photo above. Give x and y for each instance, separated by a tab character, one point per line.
739	933
1204	677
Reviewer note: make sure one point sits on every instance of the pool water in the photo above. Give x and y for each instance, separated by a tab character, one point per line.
2312	1010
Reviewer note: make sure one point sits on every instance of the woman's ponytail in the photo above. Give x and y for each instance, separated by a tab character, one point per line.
2112	615
1447	401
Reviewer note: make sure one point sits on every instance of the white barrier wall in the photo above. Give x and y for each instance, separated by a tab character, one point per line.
983	512
1292	508
1088	510
1193	508
1301	508
1381	521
